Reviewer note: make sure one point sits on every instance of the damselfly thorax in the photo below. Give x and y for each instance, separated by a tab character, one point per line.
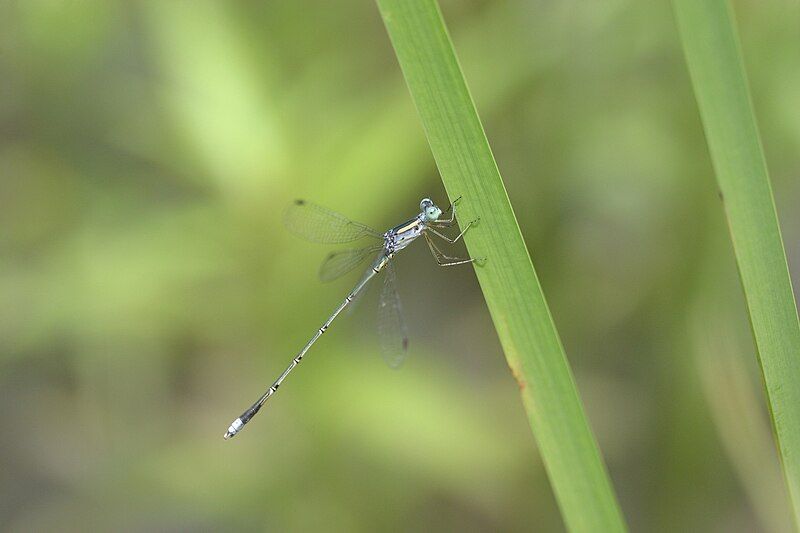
401	236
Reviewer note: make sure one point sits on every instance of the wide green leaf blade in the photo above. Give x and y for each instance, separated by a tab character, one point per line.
508	280
713	54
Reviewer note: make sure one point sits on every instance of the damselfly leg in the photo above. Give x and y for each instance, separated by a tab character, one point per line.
444	260
447	222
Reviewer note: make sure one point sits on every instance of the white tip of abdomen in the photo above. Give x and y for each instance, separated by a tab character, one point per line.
234	428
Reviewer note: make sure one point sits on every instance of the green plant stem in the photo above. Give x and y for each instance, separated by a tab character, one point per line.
713	54
508	280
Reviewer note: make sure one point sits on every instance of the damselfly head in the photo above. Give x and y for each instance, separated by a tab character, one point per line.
429	209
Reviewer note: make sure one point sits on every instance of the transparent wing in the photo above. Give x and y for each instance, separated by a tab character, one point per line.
354	303
318	224
391	324
339	263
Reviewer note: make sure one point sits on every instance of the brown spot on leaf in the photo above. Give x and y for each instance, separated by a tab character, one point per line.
518	376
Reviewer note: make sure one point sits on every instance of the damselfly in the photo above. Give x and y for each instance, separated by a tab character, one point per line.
318	224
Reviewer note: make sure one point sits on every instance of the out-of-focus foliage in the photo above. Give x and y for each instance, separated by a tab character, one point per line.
713	55
148	292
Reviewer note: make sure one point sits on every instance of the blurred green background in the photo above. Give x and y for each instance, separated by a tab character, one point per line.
148	292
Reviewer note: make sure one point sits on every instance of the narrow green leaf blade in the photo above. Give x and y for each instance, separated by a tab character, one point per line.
509	283
713	54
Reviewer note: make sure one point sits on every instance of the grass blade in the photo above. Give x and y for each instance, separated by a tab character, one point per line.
508	280
713	54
